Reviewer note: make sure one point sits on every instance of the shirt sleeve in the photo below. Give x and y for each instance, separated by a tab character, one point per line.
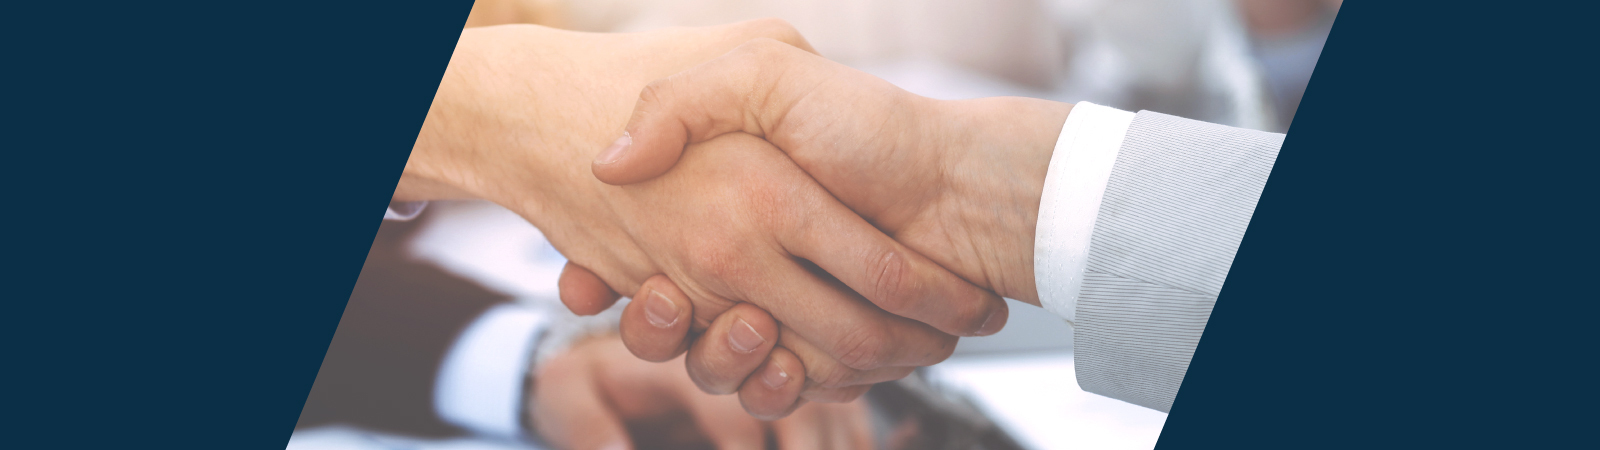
404	210
1166	222
1073	188
481	380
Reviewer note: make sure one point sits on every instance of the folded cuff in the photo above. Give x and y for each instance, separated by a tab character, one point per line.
1073	188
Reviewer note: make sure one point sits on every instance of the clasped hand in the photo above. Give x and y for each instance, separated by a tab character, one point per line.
800	229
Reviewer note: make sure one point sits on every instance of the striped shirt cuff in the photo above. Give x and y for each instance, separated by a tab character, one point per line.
1073	188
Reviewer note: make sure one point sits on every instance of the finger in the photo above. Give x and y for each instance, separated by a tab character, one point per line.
707	101
834	395
736	344
655	325
751	89
823	371
895	278
824	311
774	390
770	28
583	292
844	326
570	412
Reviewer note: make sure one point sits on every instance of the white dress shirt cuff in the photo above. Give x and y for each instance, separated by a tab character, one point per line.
1073	187
404	210
481	380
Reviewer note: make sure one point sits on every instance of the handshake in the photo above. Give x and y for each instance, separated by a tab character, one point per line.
802	229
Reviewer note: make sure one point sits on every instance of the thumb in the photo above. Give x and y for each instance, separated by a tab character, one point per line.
737	92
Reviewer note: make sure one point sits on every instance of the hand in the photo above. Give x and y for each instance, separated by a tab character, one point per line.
597	396
957	181
738	207
517	116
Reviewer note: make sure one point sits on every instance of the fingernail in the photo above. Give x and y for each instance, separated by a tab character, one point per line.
994	323
615	151
774	376
659	311
616	446
744	337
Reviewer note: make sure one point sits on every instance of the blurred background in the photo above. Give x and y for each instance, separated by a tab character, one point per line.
1244	63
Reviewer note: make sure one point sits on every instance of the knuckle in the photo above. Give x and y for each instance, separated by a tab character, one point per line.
765	409
773	208
777	29
834	376
710	380
764	48
946	346
714	261
655	93
649	346
890	278
864	348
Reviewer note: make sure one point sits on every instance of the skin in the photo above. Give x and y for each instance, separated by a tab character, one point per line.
957	181
598	396
519	115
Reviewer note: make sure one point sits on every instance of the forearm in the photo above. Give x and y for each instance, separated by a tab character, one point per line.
496	129
520	112
522	107
499	12
464	131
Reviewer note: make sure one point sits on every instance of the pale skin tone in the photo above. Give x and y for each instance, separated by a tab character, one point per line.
521	112
957	181
599	396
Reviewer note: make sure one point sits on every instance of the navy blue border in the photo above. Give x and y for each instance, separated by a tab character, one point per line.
193	187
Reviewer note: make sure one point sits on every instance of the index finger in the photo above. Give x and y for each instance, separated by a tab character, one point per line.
897	279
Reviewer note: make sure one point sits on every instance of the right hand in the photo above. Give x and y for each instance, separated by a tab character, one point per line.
957	181
746	216
522	109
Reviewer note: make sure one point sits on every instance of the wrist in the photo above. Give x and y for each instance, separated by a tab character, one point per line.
1003	155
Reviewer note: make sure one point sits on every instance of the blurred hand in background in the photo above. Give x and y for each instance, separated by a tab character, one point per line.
597	396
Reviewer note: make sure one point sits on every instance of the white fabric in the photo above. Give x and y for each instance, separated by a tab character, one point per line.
480	382
1073	188
403	210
